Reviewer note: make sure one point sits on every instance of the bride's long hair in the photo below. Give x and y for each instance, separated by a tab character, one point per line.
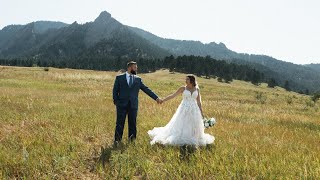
193	80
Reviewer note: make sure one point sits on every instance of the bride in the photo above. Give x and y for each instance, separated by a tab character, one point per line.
186	126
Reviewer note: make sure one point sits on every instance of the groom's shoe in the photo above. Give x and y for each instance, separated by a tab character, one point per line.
117	144
132	140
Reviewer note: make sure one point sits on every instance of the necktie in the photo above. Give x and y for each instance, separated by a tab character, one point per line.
130	81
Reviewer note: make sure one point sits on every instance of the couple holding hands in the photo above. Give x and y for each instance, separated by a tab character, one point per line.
186	125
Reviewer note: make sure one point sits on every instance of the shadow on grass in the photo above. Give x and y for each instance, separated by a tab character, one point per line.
187	151
106	153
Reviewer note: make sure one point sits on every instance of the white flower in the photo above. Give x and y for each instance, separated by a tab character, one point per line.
206	124
209	122
212	121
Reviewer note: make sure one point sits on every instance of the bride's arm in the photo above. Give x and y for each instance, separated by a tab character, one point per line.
179	91
199	102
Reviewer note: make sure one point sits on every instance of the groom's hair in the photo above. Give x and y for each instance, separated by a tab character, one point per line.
131	63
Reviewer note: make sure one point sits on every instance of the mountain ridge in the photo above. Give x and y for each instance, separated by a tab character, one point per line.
107	38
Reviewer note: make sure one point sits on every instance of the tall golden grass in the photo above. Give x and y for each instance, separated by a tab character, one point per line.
60	124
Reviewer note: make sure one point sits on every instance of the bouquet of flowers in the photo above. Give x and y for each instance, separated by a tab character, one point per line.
209	122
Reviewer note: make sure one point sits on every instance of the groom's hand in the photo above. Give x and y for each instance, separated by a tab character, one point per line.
159	101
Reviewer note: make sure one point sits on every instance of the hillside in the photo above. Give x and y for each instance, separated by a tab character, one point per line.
300	77
48	40
314	67
53	124
104	40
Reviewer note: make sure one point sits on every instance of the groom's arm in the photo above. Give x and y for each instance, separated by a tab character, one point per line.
116	89
148	91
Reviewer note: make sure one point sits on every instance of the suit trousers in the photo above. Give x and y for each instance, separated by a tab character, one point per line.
122	112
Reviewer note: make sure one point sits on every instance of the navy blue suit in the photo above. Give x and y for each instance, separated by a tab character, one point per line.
126	100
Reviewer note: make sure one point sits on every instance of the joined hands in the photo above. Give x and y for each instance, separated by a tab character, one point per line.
159	101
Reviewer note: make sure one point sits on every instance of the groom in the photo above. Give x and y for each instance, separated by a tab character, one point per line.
125	97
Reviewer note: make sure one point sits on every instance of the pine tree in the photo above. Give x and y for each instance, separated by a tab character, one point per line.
272	83
287	86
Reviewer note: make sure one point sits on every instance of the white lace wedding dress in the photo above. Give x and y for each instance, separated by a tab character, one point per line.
185	127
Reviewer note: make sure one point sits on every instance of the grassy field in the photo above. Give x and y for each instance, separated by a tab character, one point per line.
60	124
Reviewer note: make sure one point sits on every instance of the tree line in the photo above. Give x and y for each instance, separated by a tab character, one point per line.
198	65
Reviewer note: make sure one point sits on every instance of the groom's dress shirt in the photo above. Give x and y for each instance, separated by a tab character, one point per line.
128	77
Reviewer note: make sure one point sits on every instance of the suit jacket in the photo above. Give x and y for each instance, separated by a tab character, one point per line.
123	94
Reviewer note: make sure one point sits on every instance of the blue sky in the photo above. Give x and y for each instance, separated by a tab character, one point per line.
285	29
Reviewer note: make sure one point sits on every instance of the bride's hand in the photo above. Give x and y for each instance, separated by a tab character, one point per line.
162	101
